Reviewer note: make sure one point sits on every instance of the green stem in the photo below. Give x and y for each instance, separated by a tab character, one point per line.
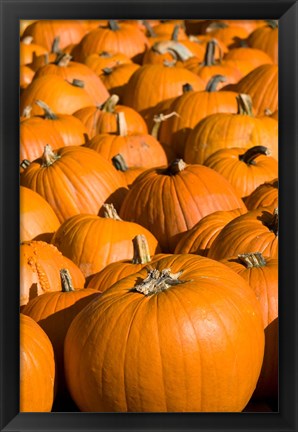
66	281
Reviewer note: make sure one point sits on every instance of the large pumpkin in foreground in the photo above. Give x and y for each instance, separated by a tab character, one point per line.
185	337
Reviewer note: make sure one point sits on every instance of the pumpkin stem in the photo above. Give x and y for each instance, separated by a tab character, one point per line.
141	253
273	225
187	88
107	70
175	167
209	59
63	59
25	163
158	119
214	81
110	212
244	104
176	49
121	124
119	163
113	25
150	31
78	83
217	25
251	154
27	111
175	33
27	40
105	54
110	103
267	112
158	281
272	23
66	281
55	46
48	113
168	63
49	157
254	259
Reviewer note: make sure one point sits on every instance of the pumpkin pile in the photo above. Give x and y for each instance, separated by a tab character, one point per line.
149	215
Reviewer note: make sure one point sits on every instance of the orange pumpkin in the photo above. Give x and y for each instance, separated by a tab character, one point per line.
247	59
146	328
37	368
116	78
37	218
169	50
266	39
93	242
26	76
266	195
230	34
188	192
40	264
105	59
28	48
74	180
129	173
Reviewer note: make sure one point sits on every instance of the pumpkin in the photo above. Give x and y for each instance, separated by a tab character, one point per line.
40	264
210	67
173	334
245	170
138	150
37	218
151	84
230	34
190	108
266	195
27	48
45	31
118	270
188	192
116	78
170	29
247	59
200	237
70	70
129	173
262	86
92	242
224	130
103	118
105	59
256	230
41	60
266	39
63	97
37	368
26	76
168	50
74	180
262	275
54	312
115	37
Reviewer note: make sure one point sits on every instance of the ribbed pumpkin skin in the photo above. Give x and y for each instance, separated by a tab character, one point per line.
265	195
200	237
138	150
99	122
37	218
192	107
262	85
229	130
37	368
168	205
151	84
57	93
93	84
195	347
116	80
92	242
35	134
26	76
246	234
98	61
40	264
245	178
81	179
252	56
266	39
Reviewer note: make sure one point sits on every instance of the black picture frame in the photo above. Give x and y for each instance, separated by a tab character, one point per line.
285	420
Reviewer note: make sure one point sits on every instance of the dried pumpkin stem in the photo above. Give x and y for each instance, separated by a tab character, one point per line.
176	49
158	281
63	59
217	25
110	212
168	63
158	119
209	59
244	104
56	46
214	81
49	157
48	113
110	104
251	154
273	226
107	70
175	33
27	40
175	167
272	23
25	163
78	83
27	111
150	31
66	281
119	163
113	25
121	124
186	88
254	259
141	253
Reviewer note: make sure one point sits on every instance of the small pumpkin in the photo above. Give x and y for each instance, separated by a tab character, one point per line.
105	59
37	368
266	39
266	195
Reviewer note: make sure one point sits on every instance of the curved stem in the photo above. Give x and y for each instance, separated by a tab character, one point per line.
66	281
209	59
113	25
214	81
119	162
158	119
141	253
250	260
251	154
110	104
168	63
150	31
48	113
244	104
158	281
49	157
110	212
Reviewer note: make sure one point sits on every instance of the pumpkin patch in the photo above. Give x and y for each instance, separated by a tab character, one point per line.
148	215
